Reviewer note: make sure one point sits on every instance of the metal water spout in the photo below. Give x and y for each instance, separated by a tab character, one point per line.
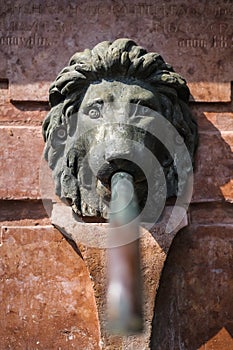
124	292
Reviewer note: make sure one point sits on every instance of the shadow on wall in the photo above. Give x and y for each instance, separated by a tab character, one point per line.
194	300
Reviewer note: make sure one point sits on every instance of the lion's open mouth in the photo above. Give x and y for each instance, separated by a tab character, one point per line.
108	169
106	172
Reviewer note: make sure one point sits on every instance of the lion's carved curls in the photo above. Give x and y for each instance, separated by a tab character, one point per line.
121	60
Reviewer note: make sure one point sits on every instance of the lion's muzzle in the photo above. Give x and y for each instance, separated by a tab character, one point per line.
117	150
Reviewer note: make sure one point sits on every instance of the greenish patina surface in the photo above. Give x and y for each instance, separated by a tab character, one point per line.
106	106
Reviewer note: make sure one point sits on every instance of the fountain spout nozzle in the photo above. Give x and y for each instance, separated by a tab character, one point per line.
124	292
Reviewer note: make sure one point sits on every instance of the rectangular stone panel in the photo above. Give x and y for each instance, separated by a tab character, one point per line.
204	91
213	121
221	341
36	41
211	213
25	213
213	174
36	91
23	113
194	300
22	153
47	299
20	156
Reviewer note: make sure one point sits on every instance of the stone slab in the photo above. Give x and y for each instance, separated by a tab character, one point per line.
26	113
204	91
32	209
96	234
47	299
211	213
36	41
154	246
20	156
21	162
214	121
37	91
194	300
222	340
214	167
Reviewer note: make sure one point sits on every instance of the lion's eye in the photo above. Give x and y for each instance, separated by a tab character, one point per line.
139	109
94	110
179	140
58	137
61	133
94	113
145	110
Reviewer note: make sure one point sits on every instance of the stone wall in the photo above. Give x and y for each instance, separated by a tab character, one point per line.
50	288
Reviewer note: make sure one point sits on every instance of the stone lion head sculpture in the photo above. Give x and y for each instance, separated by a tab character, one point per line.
105	108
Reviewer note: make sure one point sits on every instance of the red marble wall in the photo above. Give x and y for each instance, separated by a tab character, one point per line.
47	295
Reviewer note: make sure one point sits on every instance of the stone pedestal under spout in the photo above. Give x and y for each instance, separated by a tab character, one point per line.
91	239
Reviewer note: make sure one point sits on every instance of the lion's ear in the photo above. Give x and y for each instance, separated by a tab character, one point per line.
52	120
55	96
45	126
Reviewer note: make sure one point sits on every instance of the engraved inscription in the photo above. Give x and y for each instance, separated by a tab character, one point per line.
221	41
23	41
217	41
120	7
33	26
198	27
41	36
192	43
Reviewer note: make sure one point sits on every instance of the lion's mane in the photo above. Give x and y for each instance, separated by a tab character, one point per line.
120	59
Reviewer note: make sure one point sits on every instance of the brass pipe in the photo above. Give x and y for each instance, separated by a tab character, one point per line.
124	291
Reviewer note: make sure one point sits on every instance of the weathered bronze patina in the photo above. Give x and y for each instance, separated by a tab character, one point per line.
103	106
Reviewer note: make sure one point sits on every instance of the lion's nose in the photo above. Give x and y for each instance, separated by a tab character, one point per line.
117	149
116	155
